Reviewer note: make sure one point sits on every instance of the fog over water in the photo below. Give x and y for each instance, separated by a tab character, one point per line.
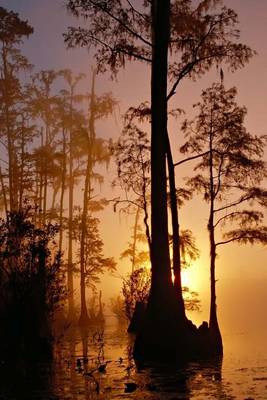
97	363
74	374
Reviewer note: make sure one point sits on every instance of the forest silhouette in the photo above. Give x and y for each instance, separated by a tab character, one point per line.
53	162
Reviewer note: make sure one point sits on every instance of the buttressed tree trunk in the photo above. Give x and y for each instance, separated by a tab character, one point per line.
158	334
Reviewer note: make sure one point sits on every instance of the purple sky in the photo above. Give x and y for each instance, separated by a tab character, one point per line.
46	49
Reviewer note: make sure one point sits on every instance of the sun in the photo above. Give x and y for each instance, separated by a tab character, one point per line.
192	277
186	277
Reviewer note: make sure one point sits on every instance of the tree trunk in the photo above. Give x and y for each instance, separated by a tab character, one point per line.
3	191
63	182
8	130
213	312
47	130
70	252
161	271
54	196
216	338
22	165
36	194
100	315
45	184
145	207
158	336
135	239
40	197
16	178
175	234
41	166
84	319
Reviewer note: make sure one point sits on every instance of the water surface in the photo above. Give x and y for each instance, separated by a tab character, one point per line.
97	364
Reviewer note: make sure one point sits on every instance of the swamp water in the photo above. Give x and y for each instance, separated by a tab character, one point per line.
97	364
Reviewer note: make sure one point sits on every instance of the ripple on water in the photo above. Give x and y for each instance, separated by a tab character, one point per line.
97	364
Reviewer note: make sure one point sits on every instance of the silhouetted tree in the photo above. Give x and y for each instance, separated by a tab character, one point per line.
13	31
123	31
44	105
137	257
132	157
95	263
139	280
74	128
96	152
135	288
231	169
32	282
62	114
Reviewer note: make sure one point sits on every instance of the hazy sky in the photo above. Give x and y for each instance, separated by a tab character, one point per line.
242	272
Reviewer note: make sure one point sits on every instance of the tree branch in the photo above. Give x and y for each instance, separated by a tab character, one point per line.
238	238
229	216
245	198
110	48
188	68
136	11
120	22
219	178
191	158
230	240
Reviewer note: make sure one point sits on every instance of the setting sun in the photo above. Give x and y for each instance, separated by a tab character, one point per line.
133	199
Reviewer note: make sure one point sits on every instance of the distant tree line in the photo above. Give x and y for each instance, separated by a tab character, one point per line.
50	154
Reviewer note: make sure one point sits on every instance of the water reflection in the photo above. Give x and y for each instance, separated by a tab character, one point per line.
96	363
199	380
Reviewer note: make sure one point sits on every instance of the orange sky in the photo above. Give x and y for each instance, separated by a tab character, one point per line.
242	271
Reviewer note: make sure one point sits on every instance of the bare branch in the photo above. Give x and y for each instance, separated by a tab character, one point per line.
248	236
136	11
241	200
191	158
101	7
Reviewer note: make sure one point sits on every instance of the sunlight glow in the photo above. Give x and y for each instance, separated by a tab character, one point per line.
193	277
186	277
